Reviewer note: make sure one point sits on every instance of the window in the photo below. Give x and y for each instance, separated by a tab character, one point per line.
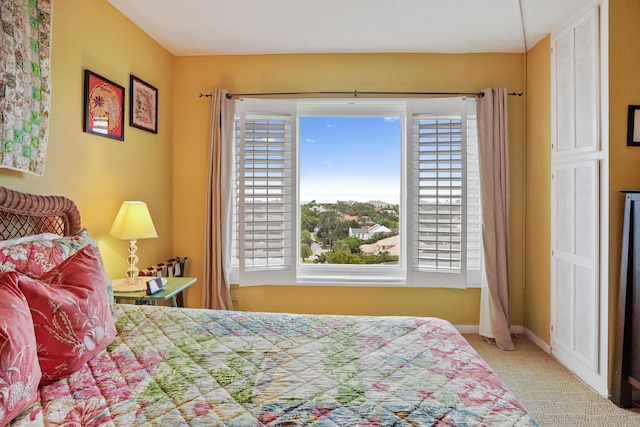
350	170
428	233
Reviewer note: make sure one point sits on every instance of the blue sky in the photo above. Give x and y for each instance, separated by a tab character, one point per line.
344	158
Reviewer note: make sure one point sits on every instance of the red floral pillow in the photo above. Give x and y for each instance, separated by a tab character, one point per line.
33	258
73	243
71	314
19	368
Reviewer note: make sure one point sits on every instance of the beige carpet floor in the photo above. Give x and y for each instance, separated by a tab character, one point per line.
552	395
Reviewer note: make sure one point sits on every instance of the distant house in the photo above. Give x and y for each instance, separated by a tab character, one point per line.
358	232
378	229
367	232
390	244
379	205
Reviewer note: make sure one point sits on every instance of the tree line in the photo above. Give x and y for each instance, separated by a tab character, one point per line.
325	224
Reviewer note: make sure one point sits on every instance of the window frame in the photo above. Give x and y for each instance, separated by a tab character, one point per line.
402	275
356	275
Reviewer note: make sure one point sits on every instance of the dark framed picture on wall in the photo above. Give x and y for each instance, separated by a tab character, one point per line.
143	105
633	127
103	106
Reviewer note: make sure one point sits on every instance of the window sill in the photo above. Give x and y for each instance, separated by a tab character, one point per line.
350	280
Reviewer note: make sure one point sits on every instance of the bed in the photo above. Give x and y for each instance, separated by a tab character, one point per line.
165	366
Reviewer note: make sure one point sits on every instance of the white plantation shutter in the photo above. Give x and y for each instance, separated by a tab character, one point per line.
264	196
444	204
438	176
473	198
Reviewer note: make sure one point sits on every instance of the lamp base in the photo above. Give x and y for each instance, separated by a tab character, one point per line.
132	260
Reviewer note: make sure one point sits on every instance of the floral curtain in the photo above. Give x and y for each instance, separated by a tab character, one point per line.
25	83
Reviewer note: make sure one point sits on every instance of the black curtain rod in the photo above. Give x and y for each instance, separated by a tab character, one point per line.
355	94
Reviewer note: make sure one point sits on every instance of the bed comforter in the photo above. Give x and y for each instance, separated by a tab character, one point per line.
172	367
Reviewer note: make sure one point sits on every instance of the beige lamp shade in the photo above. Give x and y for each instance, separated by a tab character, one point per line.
133	222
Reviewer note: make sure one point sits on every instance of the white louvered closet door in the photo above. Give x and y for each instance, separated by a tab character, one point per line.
576	332
575	266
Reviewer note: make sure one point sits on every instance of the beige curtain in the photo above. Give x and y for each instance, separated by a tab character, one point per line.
217	258
494	170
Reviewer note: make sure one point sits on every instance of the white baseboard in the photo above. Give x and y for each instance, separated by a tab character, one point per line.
515	330
468	329
475	329
537	341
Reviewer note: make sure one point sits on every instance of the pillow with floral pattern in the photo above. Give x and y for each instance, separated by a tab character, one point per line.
71	313
35	258
32	258
28	239
19	368
73	243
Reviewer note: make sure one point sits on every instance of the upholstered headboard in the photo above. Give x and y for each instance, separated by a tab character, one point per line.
23	214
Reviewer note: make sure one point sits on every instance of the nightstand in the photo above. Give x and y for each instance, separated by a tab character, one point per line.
171	291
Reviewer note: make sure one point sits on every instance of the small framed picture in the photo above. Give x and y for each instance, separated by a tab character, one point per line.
143	105
103	107
633	126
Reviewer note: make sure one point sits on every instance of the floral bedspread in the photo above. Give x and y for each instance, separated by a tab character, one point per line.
173	366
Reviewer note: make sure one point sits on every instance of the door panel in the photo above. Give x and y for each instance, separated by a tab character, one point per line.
576	261
578	336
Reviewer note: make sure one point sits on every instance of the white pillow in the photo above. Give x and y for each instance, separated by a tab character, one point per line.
28	239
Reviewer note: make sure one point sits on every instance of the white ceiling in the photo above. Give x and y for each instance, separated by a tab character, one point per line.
238	27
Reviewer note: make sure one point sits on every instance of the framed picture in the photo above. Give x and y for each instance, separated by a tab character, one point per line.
103	106
143	105
633	126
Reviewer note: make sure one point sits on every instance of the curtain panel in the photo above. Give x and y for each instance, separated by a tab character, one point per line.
25	84
218	238
494	178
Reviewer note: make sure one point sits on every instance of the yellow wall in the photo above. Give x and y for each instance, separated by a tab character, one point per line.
624	90
96	172
339	72
538	191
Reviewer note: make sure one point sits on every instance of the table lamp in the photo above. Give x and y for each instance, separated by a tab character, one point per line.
133	222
